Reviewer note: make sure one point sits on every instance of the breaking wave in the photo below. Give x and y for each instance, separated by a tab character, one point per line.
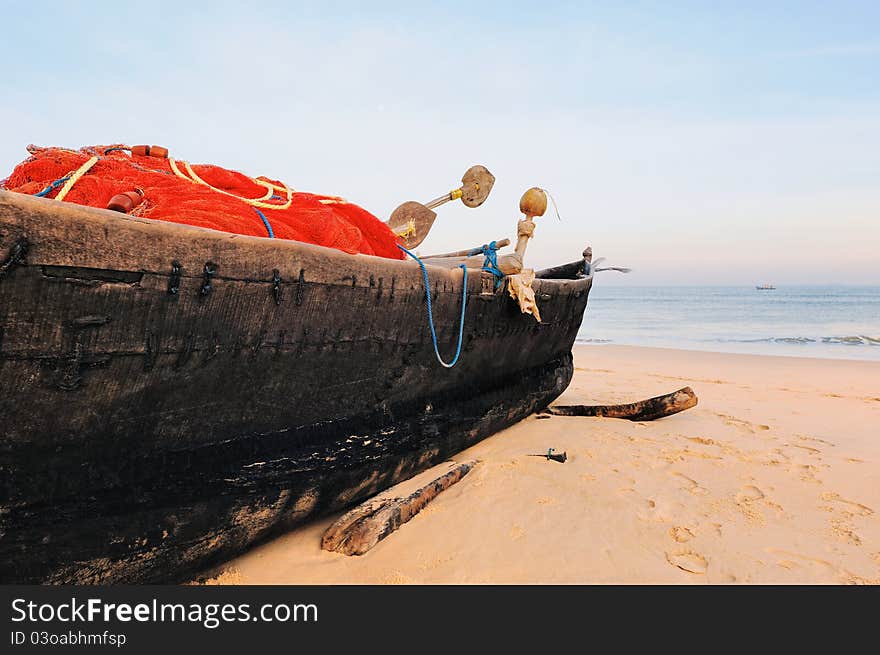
855	340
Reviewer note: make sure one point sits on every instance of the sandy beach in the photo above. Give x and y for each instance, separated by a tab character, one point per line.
773	478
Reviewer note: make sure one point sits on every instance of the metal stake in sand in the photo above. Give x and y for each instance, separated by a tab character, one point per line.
556	457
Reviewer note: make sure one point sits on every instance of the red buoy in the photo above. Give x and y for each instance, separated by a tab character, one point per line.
150	151
125	202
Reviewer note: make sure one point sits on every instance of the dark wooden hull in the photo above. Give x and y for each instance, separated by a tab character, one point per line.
155	420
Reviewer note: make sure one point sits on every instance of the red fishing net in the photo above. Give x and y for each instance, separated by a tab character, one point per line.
180	198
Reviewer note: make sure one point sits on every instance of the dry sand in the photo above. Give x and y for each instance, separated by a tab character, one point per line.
773	478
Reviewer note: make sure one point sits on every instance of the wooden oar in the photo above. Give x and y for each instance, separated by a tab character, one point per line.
533	203
500	243
412	220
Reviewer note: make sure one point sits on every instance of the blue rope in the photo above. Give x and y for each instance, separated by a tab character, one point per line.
266	223
490	251
54	185
431	313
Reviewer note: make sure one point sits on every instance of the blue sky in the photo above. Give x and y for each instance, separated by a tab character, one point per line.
697	143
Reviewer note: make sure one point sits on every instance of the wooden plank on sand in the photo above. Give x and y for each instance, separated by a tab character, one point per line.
359	530
644	410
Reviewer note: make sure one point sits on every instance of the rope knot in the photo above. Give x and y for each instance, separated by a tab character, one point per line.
490	263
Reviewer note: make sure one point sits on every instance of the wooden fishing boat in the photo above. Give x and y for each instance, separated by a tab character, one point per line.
170	395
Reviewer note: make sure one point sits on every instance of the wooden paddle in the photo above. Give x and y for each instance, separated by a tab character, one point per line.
500	243
532	204
413	220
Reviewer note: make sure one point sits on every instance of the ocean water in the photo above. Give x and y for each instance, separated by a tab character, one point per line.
840	322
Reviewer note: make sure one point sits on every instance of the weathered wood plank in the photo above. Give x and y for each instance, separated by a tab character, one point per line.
644	410
357	531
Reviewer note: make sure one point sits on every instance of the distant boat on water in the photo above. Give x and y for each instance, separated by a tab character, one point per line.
765	287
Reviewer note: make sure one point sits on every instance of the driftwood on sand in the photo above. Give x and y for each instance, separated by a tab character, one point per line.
359	530
644	410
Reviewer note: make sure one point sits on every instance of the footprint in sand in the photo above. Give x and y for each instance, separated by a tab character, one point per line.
791	560
845	532
703	440
690	484
807	473
516	532
802	437
688	560
680	534
777	453
749	494
746	502
746	426
809	449
858	508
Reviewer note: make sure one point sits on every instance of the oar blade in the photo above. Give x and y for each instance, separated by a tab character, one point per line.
476	184
412	222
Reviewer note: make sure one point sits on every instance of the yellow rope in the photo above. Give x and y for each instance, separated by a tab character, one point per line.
177	170
269	190
270	187
269	184
410	230
82	170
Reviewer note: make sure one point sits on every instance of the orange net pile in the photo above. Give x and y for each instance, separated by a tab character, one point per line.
203	196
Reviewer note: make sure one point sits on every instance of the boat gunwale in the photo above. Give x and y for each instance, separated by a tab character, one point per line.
259	245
